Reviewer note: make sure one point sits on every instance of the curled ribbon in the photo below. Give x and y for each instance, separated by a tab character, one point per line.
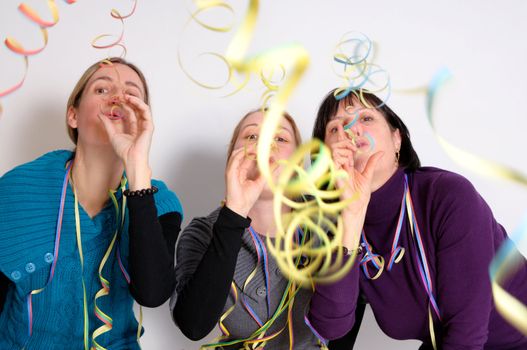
354	55
15	46
505	262
119	41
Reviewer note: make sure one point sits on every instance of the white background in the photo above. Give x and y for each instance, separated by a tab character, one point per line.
481	109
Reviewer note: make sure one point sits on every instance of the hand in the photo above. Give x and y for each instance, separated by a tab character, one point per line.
242	192
357	185
132	144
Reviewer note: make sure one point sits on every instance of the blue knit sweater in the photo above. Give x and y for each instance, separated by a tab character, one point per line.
29	204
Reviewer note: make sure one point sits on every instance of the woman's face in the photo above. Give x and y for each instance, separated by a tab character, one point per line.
283	146
104	94
369	131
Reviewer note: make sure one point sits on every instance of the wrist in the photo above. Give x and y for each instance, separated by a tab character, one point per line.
237	208
139	177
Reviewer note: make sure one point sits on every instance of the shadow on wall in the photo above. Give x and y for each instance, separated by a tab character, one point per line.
198	180
42	130
197	177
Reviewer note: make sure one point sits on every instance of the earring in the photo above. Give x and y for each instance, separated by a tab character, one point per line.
397	156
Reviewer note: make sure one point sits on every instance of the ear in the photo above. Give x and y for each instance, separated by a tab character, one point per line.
397	140
71	116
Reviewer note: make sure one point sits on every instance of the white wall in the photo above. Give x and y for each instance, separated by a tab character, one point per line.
481	41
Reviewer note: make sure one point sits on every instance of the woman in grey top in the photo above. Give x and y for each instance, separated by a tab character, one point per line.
223	271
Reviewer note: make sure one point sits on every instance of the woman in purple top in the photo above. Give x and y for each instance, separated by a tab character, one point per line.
425	248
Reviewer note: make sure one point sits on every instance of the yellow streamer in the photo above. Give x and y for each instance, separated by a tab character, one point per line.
505	262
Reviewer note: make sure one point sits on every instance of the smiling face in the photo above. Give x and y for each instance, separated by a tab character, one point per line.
104	94
369	131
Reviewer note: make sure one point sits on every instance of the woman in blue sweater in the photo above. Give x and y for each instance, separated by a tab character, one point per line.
70	223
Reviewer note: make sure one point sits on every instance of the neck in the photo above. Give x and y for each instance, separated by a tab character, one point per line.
381	178
95	171
263	218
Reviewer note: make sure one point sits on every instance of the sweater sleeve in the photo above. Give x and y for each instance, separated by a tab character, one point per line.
347	342
332	308
4	284
464	229
151	259
205	263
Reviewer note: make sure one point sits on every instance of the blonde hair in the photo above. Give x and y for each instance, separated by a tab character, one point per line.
236	132
76	94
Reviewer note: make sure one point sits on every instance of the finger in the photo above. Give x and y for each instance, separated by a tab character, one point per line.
131	120
371	164
344	144
341	134
108	125
139	105
340	162
343	153
235	159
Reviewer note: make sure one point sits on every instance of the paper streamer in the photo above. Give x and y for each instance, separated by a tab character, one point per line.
317	215
507	258
354	56
119	41
16	47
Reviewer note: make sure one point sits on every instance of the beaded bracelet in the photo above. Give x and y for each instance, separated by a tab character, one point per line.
348	252
141	193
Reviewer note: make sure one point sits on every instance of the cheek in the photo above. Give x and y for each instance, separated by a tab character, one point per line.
286	150
241	143
330	139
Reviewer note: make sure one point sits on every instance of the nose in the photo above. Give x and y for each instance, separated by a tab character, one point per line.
115	99
250	149
354	127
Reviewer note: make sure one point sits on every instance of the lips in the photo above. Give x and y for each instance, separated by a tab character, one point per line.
361	143
115	113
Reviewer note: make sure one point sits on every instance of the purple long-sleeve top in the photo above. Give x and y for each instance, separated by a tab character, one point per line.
460	238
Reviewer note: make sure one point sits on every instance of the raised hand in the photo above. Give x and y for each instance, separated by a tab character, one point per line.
357	185
132	142
242	190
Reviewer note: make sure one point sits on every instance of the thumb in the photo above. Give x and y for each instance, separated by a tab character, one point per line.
108	125
371	165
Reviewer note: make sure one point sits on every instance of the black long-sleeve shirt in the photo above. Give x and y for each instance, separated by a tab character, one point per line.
210	252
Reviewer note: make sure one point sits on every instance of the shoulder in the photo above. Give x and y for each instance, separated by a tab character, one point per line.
166	200
33	183
199	228
443	184
451	200
40	168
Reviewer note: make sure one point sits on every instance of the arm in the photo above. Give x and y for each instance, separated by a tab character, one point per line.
347	342
151	259
207	253
4	285
332	309
465	246
206	260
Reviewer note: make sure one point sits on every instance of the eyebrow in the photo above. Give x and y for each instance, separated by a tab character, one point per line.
107	78
281	127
